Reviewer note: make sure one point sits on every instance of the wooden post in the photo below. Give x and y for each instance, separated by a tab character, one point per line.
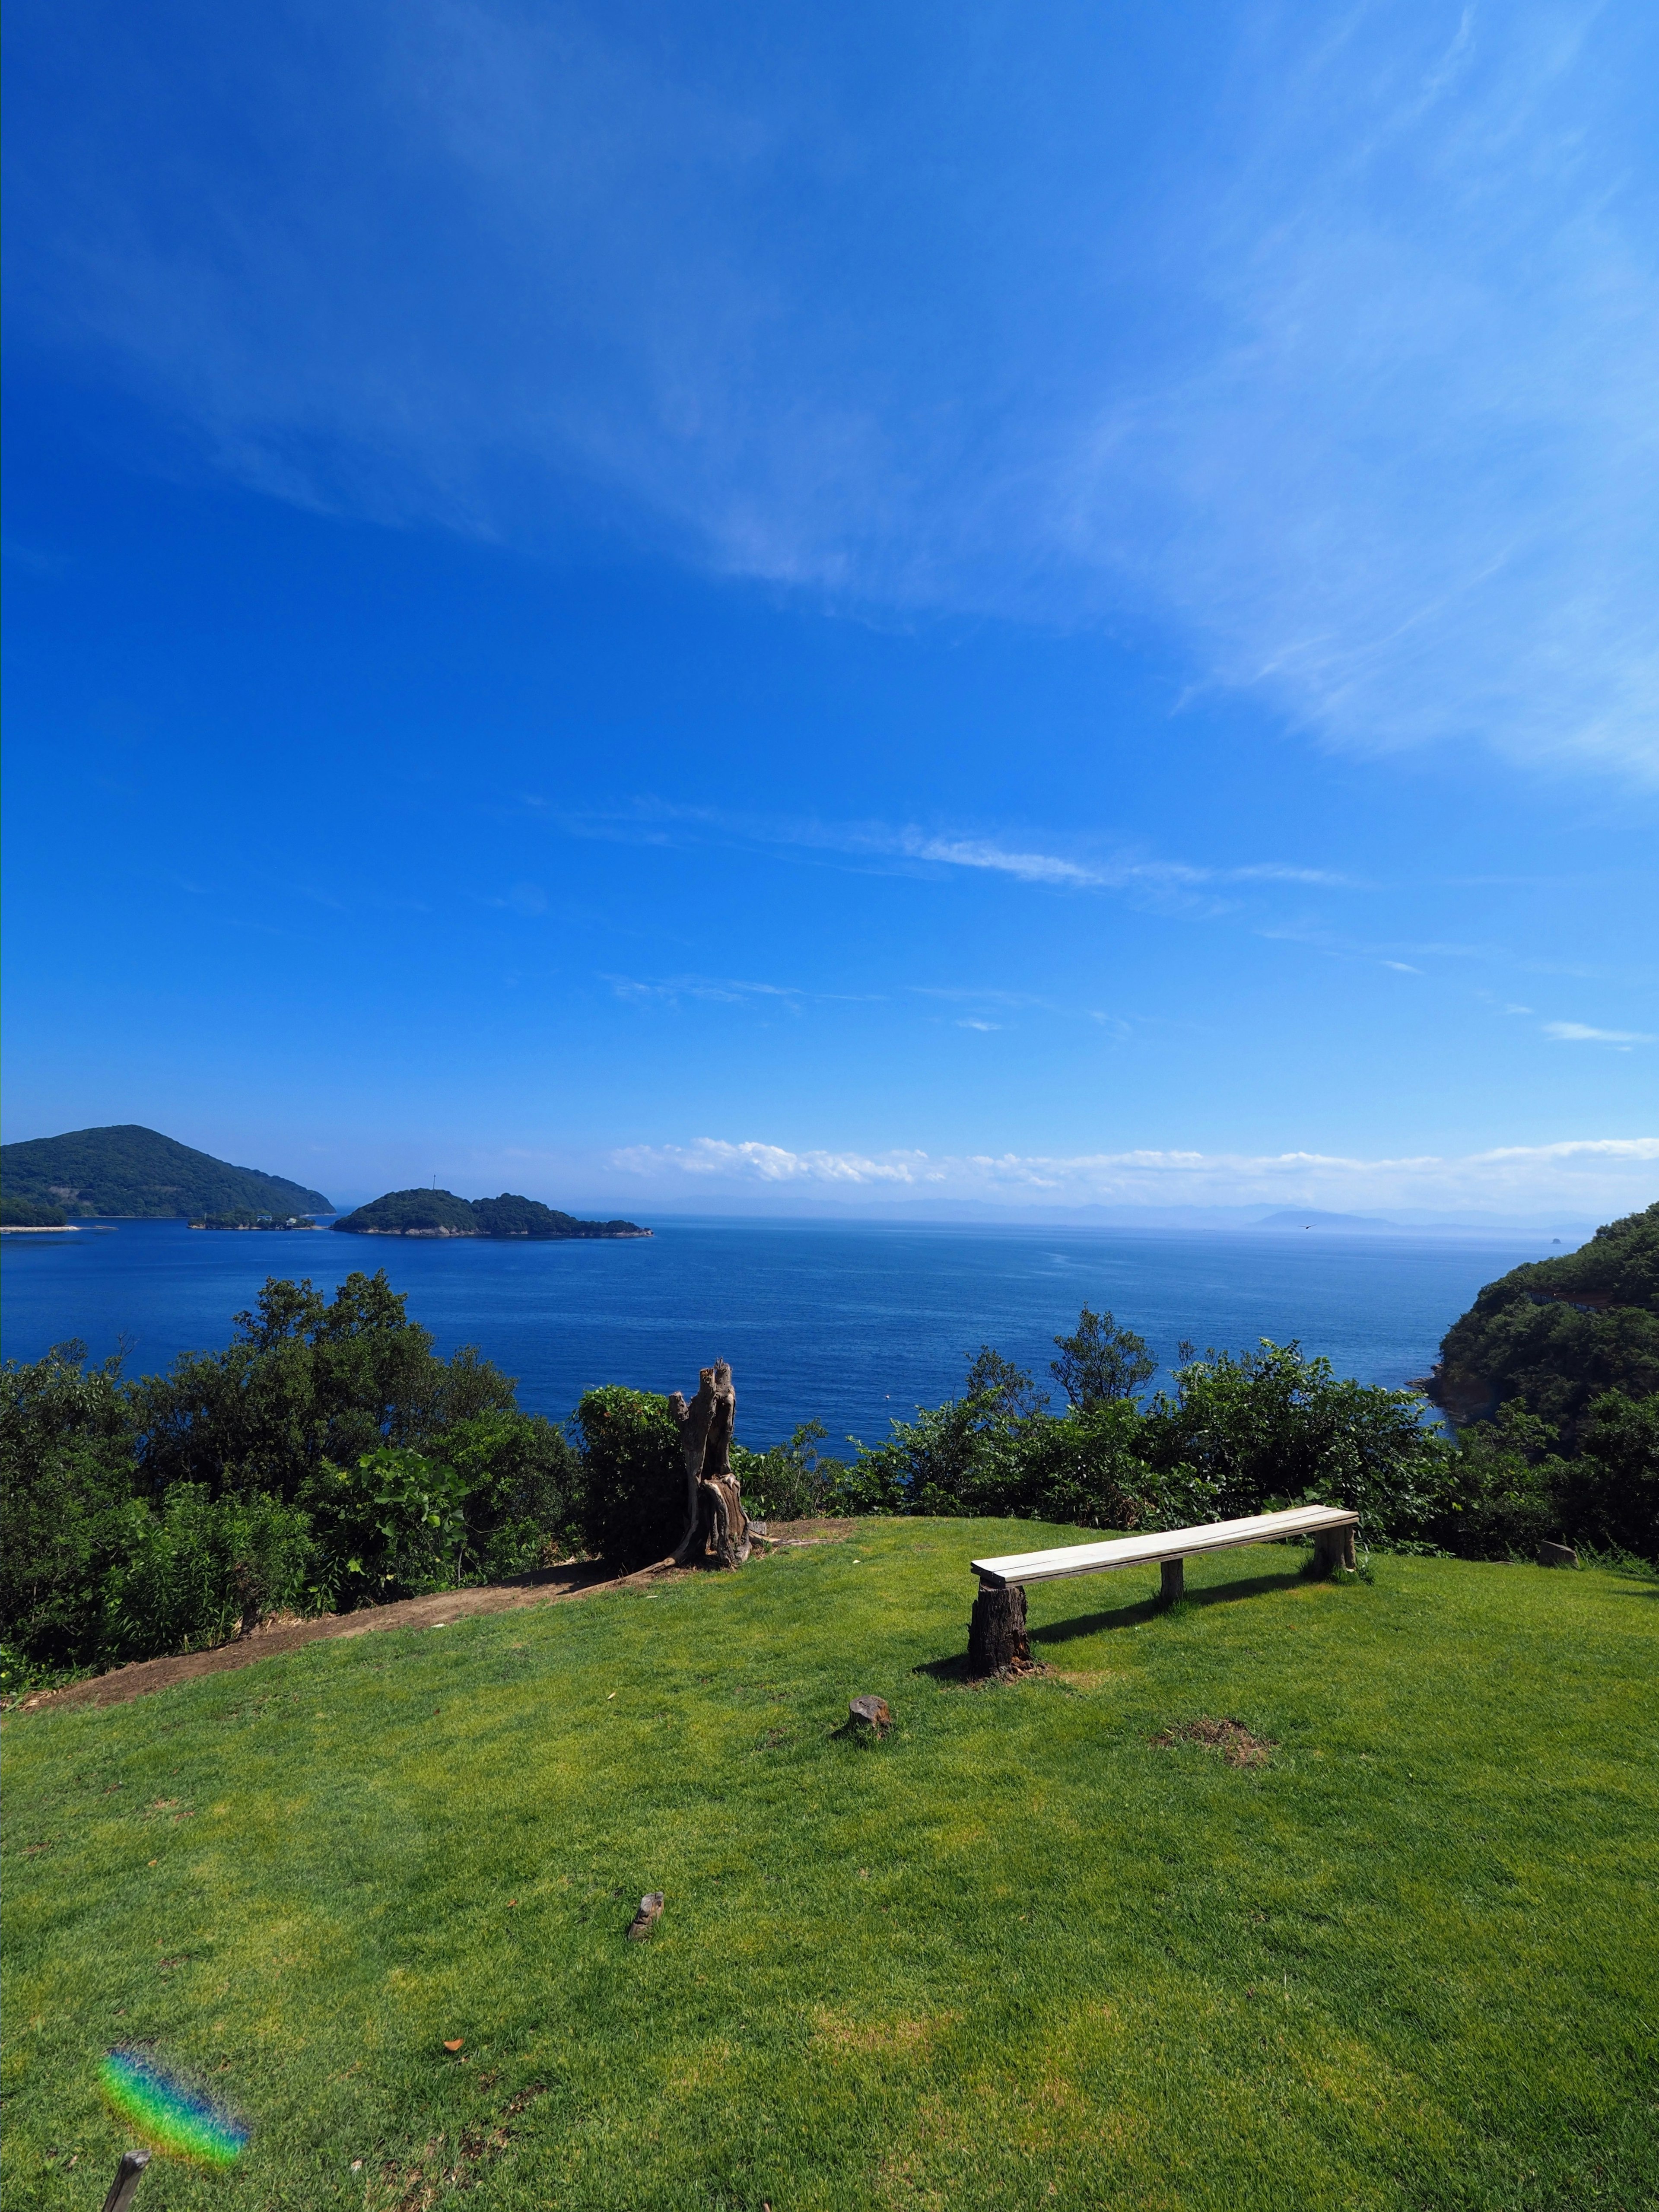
996	1630
128	2175
1171	1581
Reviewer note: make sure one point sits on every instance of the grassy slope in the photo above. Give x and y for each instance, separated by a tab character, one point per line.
1014	1956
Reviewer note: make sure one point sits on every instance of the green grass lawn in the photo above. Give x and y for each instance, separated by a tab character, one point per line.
1017	1955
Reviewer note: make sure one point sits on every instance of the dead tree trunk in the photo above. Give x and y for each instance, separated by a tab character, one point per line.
996	1631
717	1528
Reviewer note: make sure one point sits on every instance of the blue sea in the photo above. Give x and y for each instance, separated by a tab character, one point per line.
848	1323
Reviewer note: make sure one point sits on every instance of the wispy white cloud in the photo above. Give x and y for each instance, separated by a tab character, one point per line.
1581	1033
906	846
1593	1173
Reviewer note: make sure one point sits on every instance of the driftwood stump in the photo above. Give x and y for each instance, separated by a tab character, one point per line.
996	1631
717	1527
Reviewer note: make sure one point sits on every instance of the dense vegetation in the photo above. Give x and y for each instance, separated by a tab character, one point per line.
327	1458
1040	1950
137	1174
441	1214
1525	1343
28	1213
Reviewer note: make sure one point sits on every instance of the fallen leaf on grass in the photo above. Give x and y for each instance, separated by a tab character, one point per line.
456	2044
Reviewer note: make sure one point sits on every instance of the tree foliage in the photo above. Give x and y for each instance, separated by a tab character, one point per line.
1099	1362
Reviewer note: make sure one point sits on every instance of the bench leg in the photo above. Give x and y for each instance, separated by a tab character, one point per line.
1172	1581
996	1631
1332	1547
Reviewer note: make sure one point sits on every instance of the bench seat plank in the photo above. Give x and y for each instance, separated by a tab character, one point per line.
1158	1545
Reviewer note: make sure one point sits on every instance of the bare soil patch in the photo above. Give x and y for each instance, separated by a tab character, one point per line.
551	1586
1231	1738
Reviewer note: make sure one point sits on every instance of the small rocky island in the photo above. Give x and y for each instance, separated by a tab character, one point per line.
441	1214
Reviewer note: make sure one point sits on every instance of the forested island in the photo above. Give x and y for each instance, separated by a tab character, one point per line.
441	1214
137	1173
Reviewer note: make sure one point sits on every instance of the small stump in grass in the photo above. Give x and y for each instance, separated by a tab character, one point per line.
996	1631
646	1918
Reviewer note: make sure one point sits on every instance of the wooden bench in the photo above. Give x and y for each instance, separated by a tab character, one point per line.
996	1633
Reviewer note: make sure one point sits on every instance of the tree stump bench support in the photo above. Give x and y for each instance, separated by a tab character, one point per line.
996	1632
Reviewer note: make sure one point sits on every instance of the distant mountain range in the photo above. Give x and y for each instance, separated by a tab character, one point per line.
441	1214
137	1173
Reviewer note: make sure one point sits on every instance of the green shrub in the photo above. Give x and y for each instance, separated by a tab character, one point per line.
1610	1492
66	1485
523	1490
1269	1428
1501	1495
393	1526
199	1569
634	1475
787	1482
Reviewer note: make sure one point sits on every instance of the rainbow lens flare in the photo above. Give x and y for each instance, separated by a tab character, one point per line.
166	2115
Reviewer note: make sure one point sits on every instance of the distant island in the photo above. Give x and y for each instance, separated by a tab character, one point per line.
245	1219
138	1175
1551	1334
441	1214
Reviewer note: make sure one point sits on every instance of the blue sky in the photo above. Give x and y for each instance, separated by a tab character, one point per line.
698	607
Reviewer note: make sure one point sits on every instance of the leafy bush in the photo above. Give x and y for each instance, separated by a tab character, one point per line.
634	1508
787	1482
1501	1493
1610	1490
1269	1428
193	1573
65	1502
523	1490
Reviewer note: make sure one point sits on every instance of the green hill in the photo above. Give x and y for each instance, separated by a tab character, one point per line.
1554	1332
137	1174
441	1214
1036	1948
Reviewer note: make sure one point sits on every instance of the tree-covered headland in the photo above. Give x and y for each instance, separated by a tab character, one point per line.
137	1173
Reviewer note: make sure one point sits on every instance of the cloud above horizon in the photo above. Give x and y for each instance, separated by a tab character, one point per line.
1610	1174
1343	395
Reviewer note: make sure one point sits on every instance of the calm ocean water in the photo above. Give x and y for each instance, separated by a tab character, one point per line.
846	1323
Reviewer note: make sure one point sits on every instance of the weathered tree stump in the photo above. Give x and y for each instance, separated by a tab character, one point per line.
1332	1547
717	1528
996	1631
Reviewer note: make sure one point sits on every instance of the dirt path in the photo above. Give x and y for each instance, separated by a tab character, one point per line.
588	1578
